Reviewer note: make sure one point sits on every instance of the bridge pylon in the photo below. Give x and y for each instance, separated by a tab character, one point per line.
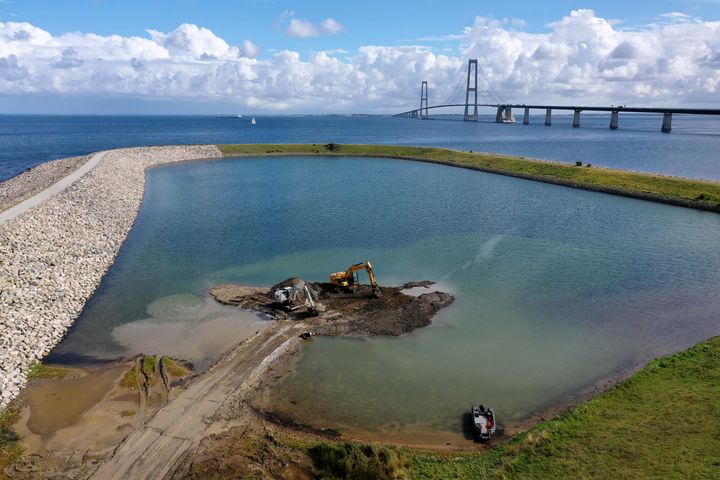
424	114
472	74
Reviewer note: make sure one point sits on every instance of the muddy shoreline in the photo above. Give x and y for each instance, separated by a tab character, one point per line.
234	419
435	443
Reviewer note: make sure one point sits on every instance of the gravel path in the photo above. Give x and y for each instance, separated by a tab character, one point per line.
155	450
57	187
36	179
53	256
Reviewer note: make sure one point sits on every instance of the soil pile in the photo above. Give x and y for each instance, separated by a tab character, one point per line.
345	312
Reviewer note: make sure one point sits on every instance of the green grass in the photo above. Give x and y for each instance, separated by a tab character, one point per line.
150	368
38	371
149	365
130	379
359	462
679	191
663	422
173	368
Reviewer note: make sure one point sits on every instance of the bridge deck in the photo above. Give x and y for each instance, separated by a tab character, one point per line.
685	111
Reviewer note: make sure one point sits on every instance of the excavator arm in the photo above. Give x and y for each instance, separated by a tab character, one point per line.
362	266
347	278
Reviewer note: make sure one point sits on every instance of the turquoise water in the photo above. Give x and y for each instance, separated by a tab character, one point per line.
555	288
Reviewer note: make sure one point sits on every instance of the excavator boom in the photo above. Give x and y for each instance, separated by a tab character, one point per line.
347	278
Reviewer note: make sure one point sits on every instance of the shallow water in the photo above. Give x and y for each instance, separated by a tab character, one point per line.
56	404
556	288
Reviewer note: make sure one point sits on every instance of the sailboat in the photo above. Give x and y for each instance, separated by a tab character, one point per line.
253	122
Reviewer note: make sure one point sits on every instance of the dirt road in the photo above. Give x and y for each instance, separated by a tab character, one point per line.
154	451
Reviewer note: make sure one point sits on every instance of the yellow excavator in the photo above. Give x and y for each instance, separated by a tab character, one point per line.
348	278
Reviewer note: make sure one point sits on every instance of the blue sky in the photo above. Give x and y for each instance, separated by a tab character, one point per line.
366	22
282	56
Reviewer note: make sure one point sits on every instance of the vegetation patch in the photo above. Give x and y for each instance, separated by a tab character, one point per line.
174	369
10	448
351	461
38	371
704	195
149	365
129	380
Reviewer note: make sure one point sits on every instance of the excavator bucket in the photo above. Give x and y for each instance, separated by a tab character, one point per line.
348	279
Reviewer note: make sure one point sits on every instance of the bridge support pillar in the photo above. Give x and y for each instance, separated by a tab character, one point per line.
424	101
499	114
614	120
548	117
576	119
526	116
667	122
471	117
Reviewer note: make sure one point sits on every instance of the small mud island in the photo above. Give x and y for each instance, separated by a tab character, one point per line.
342	312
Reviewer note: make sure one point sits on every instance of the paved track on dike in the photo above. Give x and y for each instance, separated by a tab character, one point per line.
154	450
52	190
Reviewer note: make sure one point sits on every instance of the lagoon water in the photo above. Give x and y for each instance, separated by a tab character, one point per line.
556	288
690	150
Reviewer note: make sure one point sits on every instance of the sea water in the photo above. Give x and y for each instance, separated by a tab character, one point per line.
690	150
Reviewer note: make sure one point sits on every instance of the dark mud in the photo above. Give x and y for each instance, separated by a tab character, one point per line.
343	312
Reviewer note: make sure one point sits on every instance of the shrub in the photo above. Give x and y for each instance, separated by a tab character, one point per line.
348	461
333	147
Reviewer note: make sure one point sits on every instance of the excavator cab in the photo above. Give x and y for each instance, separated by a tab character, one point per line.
348	279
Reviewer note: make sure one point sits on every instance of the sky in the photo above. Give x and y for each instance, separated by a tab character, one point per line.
275	56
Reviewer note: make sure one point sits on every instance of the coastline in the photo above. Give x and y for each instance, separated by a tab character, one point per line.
45	239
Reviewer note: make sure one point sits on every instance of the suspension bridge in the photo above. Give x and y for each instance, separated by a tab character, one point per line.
504	109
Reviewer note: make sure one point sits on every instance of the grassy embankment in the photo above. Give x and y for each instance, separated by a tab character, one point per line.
663	422
698	194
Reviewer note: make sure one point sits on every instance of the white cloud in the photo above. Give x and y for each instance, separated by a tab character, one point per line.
331	26
249	49
581	58
301	28
191	41
586	58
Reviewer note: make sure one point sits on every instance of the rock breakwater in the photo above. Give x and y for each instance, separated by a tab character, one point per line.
53	257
